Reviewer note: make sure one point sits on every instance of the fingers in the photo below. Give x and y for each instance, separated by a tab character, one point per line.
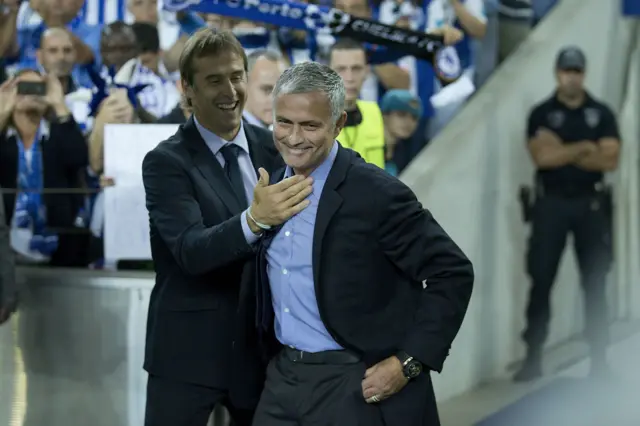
289	182
7	85
297	194
264	177
292	211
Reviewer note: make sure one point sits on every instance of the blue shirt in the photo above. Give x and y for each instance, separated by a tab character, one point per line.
290	269
249	177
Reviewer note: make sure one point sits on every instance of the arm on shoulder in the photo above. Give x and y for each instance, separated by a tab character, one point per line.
413	240
175	212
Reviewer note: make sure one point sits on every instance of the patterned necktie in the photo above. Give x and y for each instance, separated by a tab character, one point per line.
230	152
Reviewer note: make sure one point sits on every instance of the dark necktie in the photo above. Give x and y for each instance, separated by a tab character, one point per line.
230	152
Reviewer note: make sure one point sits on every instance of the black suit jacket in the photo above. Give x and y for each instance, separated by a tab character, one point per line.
374	245
200	325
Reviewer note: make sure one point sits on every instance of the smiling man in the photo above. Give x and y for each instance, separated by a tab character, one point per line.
199	185
341	283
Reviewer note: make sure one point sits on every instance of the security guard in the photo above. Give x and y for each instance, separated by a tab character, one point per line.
573	140
364	129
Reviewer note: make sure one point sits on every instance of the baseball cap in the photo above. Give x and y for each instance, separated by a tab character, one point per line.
401	101
571	58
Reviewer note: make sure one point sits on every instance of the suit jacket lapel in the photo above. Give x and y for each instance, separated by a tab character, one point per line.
330	202
209	166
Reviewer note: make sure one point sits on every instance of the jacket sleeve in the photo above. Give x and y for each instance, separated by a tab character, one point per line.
175	213
413	240
8	282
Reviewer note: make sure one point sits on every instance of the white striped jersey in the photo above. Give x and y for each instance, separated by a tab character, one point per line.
159	98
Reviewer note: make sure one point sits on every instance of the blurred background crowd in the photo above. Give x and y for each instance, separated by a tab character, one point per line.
48	46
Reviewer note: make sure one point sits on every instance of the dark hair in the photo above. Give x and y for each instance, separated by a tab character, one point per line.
147	37
115	27
205	42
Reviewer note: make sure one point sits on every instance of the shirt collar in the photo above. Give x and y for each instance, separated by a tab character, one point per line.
321	173
215	142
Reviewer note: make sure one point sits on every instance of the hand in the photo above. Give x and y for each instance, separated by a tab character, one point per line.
55	95
106	182
588	147
383	380
275	204
116	108
8	96
450	35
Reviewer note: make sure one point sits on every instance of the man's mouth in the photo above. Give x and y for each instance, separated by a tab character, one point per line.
228	106
297	150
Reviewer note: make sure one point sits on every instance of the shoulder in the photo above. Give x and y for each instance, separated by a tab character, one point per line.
169	151
381	187
541	107
602	106
369	106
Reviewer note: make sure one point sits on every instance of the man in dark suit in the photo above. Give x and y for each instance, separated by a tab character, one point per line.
199	184
342	283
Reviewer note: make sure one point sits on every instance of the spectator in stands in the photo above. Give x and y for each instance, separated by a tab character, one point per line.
379	77
173	28
117	45
467	15
150	54
57	57
264	68
120	49
24	43
41	147
116	109
8	282
401	112
364	130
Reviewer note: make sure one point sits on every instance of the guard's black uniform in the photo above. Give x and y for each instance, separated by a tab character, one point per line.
570	199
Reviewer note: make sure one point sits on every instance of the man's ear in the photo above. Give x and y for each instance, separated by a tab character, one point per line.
340	124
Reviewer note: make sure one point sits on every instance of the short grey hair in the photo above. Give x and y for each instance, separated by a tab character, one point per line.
307	77
269	55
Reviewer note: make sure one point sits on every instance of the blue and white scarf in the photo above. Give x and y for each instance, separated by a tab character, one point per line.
30	210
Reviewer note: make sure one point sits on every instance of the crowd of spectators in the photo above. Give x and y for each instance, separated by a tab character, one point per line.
55	55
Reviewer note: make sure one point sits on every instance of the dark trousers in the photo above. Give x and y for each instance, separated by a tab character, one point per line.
299	393
587	219
173	403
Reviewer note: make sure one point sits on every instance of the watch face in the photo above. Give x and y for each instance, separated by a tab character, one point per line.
413	369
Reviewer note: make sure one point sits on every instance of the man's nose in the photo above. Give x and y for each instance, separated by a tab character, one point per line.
296	137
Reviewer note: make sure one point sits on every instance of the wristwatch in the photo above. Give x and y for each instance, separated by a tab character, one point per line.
411	368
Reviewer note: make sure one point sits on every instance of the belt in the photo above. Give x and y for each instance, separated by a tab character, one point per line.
573	191
324	357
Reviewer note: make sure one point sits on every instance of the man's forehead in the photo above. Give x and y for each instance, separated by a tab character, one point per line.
348	57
